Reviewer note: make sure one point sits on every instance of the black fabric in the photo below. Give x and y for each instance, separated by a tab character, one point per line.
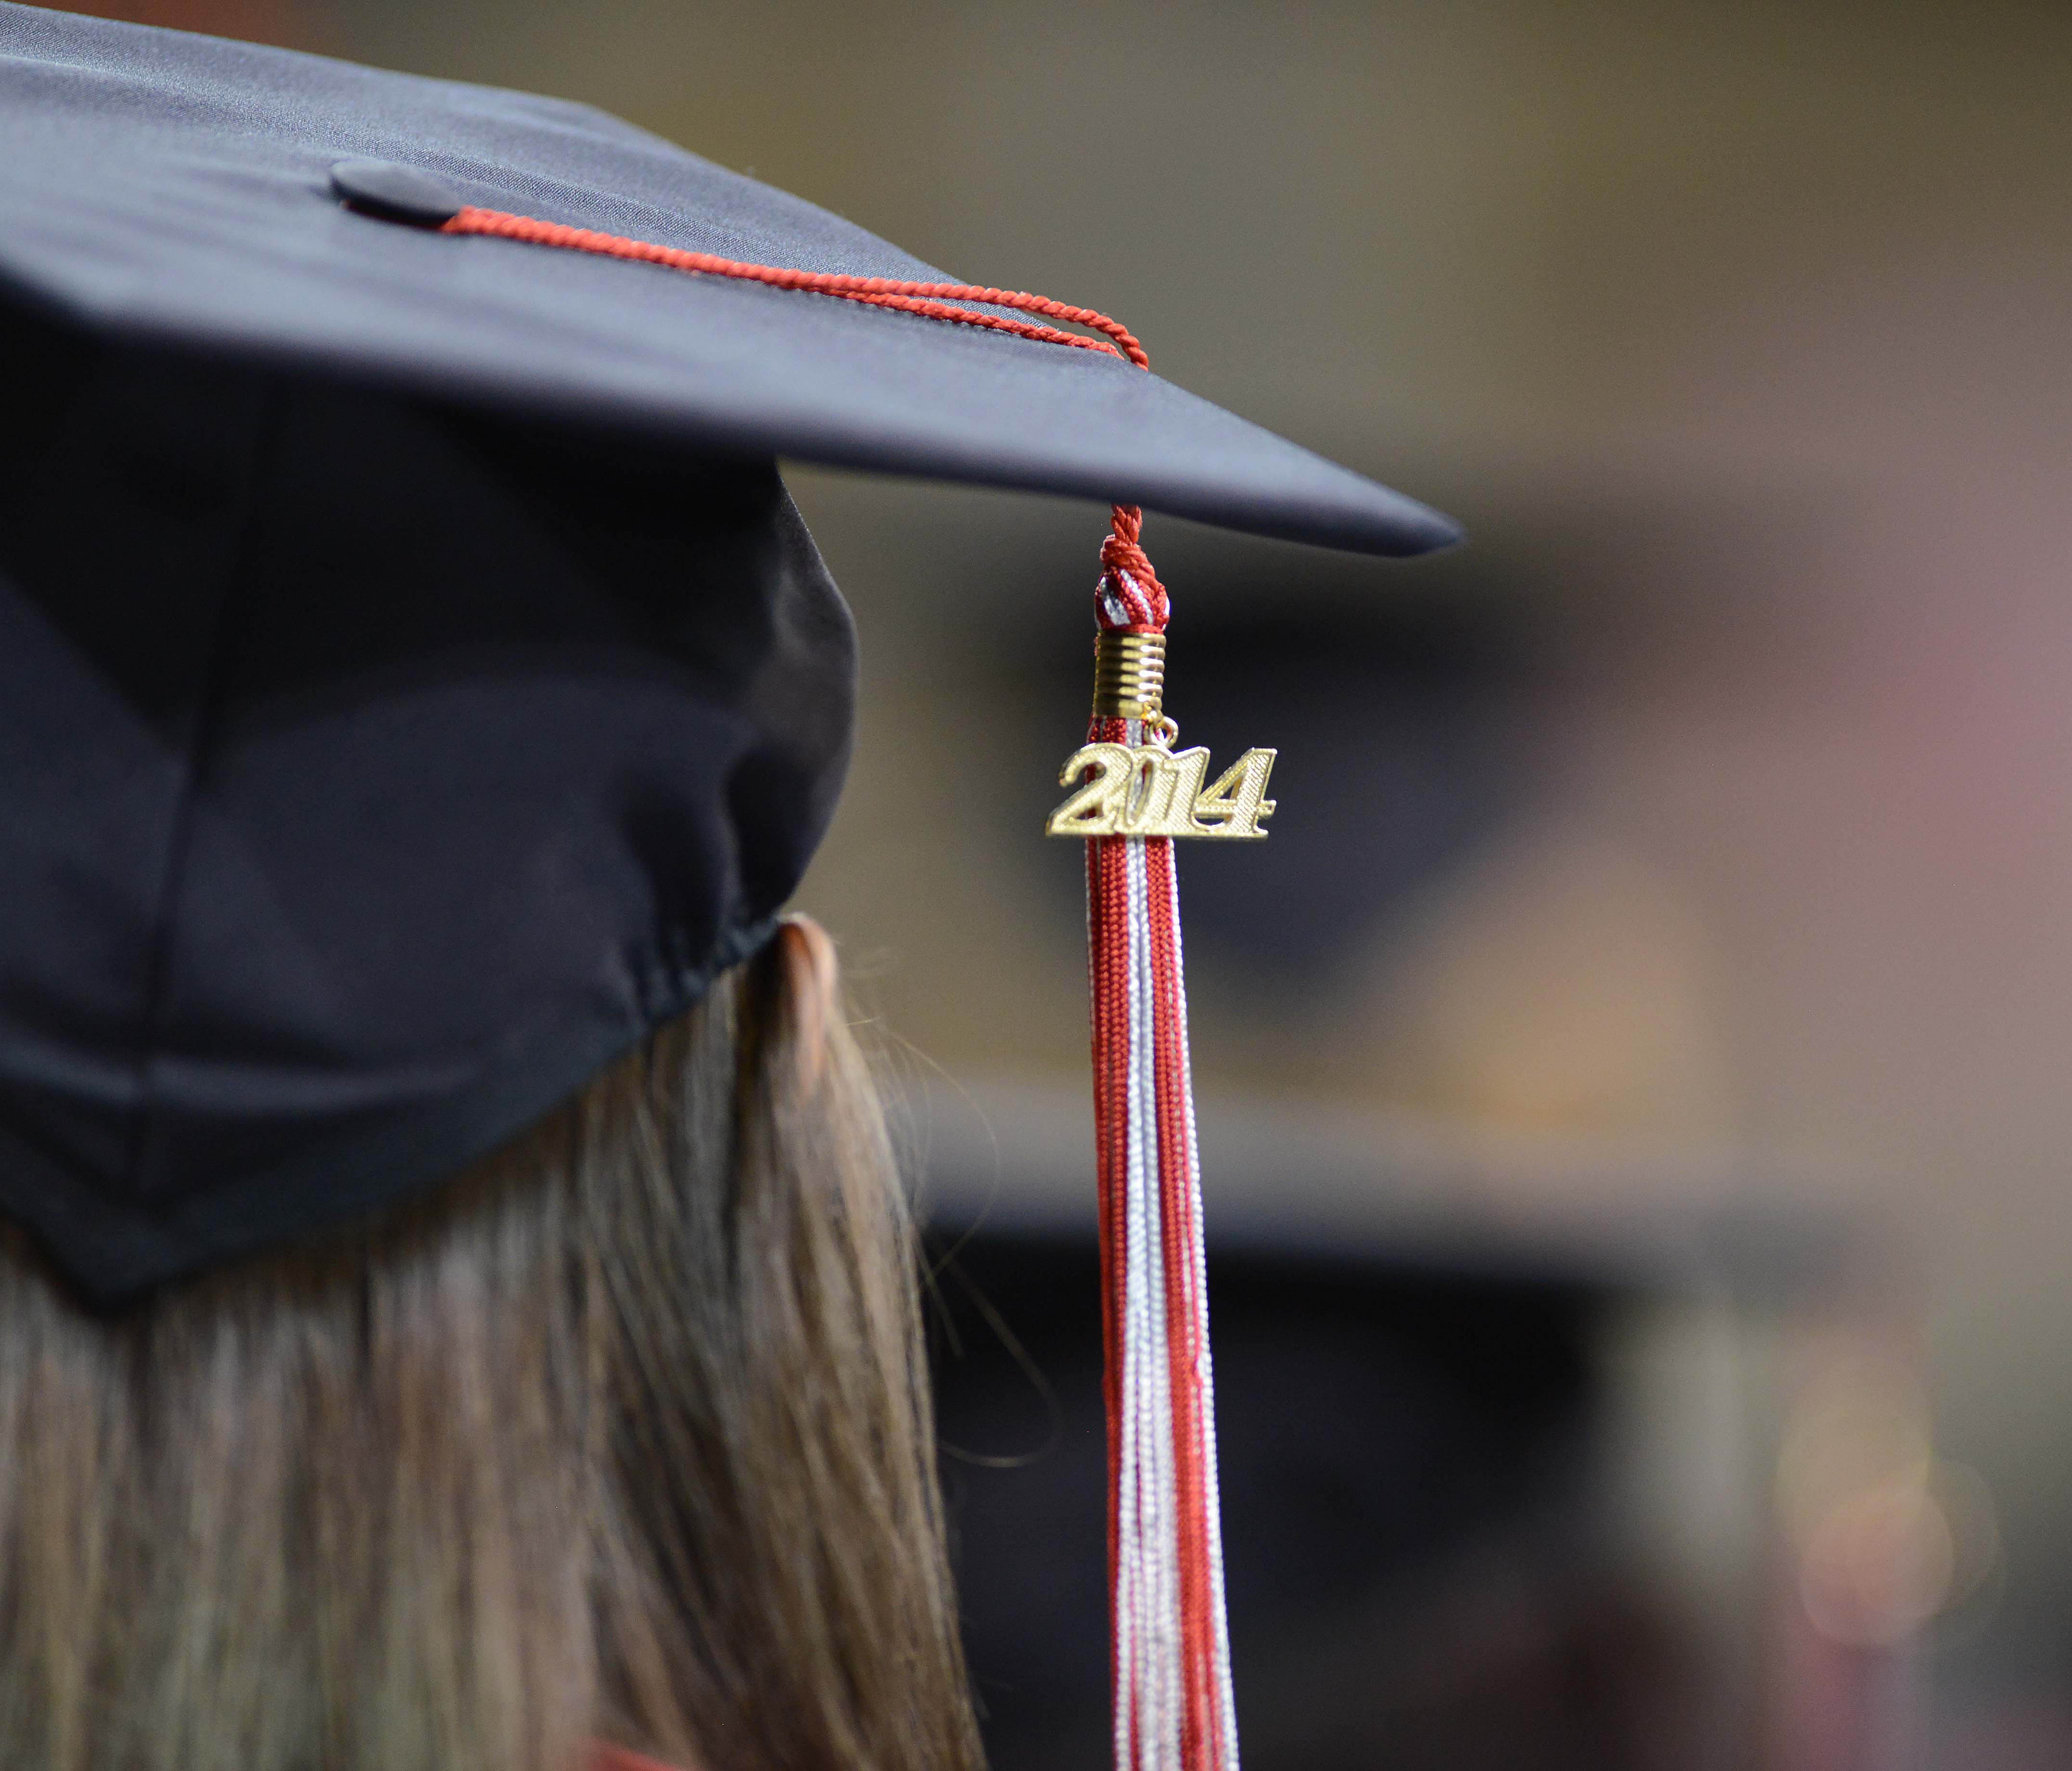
166	187
373	772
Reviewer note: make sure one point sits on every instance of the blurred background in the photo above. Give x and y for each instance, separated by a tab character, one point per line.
1635	1078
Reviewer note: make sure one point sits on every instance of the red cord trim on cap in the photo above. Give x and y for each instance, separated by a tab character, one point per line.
931	300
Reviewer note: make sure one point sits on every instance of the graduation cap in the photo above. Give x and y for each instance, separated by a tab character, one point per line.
416	685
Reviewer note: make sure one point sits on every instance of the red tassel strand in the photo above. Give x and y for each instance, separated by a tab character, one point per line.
1170	1648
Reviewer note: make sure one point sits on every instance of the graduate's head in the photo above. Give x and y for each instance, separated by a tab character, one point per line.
459	1303
620	1434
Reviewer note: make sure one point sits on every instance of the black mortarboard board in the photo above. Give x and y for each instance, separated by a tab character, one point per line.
415	683
164	187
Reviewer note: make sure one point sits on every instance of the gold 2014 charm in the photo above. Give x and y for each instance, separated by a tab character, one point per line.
1151	789
1148	790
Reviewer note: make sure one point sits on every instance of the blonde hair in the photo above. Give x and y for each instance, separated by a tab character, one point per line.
623	1434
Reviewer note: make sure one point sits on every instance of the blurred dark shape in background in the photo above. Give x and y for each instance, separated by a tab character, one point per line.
1406	1459
1491	1487
1689	852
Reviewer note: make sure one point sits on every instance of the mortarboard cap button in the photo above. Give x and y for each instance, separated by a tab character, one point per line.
390	192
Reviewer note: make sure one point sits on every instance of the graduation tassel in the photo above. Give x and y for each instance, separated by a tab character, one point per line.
1133	795
1170	1644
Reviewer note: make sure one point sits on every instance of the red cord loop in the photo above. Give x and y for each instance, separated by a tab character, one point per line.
1129	594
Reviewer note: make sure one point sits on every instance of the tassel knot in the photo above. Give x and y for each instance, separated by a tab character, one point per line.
1129	594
